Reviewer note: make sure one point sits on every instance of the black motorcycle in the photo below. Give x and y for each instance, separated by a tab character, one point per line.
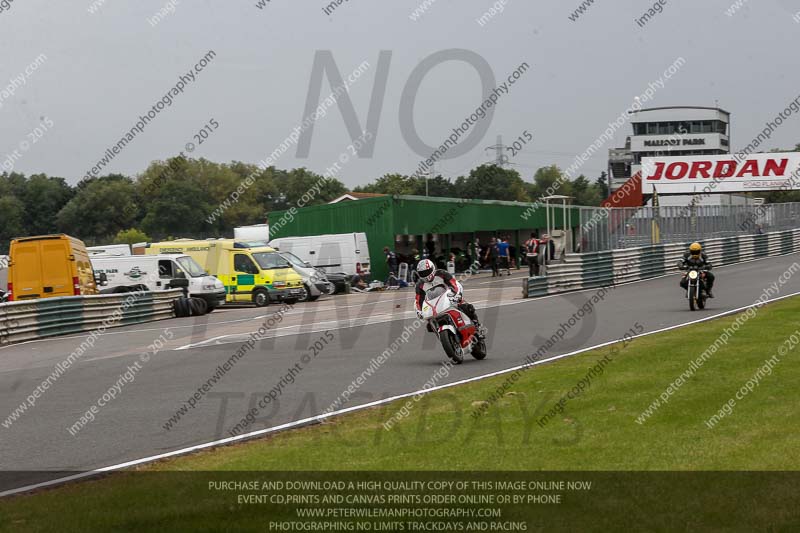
696	291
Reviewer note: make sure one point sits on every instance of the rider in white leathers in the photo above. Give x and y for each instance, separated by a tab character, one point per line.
430	277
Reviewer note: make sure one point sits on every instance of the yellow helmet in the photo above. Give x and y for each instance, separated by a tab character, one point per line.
695	248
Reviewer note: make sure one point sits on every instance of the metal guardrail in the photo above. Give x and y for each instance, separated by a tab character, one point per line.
47	317
599	269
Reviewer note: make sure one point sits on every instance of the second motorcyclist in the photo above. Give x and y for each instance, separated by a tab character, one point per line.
695	257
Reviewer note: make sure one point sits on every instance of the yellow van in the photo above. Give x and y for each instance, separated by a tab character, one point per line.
250	275
49	266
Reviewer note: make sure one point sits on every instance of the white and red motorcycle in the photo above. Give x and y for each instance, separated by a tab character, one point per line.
455	330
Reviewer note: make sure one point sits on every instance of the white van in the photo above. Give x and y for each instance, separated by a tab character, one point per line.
342	252
109	250
154	272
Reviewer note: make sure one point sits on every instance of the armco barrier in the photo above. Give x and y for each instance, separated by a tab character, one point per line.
47	317
597	269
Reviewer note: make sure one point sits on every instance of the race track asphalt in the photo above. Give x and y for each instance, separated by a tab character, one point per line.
361	326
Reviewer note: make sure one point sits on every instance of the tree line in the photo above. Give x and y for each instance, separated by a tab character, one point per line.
174	198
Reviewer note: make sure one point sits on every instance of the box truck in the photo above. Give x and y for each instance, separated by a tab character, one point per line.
256	275
154	273
47	266
342	252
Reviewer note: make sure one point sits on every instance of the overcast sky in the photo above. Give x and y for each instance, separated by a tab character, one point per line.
104	70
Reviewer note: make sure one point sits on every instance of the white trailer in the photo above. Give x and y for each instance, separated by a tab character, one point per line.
340	252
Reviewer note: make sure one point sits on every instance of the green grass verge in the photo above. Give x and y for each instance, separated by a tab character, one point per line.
597	430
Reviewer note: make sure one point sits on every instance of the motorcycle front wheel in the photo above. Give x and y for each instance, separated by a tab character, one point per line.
451	347
479	350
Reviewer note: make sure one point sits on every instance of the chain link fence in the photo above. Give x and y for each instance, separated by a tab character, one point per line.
629	227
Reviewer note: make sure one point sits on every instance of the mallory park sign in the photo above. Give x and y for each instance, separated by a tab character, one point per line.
674	142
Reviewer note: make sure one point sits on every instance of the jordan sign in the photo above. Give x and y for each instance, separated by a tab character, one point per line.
721	173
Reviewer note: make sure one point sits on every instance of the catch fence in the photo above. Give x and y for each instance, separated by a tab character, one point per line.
630	227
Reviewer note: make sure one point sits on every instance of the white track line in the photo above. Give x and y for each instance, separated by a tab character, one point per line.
317	418
283	332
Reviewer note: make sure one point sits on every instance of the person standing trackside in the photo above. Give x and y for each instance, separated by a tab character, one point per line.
430	247
549	248
532	254
503	253
475	260
512	252
491	256
391	261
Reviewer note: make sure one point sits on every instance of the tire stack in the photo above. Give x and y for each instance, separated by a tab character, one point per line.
182	307
186	307
199	307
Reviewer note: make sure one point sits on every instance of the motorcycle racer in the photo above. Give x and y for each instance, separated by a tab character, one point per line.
695	257
430	276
